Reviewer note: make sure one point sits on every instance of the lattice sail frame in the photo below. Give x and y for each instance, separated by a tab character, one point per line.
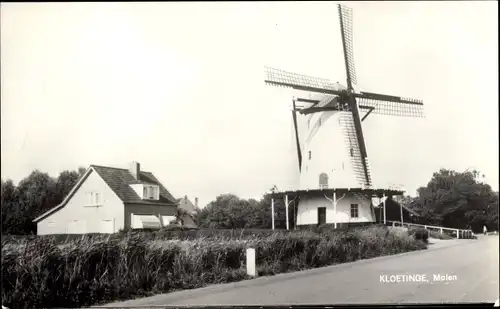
277	77
381	104
345	18
390	108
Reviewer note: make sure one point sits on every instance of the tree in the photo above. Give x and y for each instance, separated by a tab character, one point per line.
457	200
227	211
230	212
11	208
34	195
81	171
65	182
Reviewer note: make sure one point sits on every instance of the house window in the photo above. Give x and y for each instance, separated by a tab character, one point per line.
354	210
151	192
323	180
94	199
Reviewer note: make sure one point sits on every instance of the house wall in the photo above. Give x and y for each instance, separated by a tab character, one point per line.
142	209
307	212
329	153
77	218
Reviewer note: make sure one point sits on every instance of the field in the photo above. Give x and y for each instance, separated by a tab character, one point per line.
77	271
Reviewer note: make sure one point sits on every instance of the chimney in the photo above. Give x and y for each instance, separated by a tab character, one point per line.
196	202
135	169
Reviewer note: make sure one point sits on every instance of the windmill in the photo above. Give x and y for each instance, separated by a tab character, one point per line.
333	145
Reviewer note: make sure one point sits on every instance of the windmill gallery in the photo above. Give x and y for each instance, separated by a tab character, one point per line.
335	184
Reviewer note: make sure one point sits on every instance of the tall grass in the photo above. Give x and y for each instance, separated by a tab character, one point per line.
88	270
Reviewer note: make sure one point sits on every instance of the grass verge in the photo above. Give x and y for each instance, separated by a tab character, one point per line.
95	269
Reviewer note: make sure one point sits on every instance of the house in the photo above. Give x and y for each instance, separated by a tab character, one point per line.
190	209
187	205
108	199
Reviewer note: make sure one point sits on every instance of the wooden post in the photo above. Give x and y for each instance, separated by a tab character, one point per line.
458	234
272	212
161	221
385	222
441	230
286	209
251	269
334	209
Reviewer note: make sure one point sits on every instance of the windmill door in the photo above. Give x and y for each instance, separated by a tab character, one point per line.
321	215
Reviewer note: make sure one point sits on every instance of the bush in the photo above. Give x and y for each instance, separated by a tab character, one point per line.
420	234
93	269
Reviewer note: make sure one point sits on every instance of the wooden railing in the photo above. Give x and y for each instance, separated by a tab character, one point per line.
459	233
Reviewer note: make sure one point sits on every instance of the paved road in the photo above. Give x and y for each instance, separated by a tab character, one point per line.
473	262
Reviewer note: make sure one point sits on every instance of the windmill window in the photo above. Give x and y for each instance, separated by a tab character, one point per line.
351	150
323	180
319	122
309	155
354	211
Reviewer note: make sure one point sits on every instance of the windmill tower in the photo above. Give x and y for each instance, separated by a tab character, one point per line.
335	180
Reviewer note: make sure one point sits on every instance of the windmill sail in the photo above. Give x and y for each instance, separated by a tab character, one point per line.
335	116
277	77
351	143
390	105
345	18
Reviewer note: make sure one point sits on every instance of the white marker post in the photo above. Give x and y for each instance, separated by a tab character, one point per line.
383	197
272	212
251	269
334	209
286	209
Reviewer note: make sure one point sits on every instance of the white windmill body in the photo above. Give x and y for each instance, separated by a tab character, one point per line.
335	184
331	160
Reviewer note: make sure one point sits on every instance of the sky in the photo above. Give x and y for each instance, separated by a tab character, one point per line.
179	88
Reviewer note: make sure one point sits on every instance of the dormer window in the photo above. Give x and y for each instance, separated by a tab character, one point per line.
151	192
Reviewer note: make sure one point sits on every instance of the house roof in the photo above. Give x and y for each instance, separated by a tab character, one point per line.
119	181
